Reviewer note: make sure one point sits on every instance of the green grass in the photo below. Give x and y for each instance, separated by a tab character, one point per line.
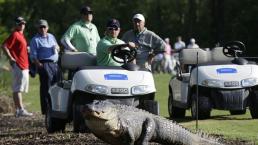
32	99
220	123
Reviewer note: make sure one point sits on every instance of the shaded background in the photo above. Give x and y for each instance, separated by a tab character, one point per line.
208	21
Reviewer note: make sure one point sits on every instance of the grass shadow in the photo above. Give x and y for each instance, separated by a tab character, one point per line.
214	117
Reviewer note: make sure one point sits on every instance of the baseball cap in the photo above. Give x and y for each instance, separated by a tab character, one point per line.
42	22
113	23
192	40
85	10
139	17
19	20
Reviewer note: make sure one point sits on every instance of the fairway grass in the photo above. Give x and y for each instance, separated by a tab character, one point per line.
221	122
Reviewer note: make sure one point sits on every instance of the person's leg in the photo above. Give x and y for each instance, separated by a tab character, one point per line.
17	98
43	78
20	84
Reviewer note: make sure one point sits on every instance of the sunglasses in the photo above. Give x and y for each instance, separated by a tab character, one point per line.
42	27
136	20
87	13
113	28
21	24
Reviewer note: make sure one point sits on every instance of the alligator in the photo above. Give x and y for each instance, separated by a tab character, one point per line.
119	124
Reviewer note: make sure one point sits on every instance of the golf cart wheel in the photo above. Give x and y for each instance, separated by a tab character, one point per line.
174	112
204	109
254	106
237	112
151	106
53	124
78	121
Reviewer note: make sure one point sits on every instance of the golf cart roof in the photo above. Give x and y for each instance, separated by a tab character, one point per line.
189	56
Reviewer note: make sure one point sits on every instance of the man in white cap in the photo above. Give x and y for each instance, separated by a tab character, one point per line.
192	44
145	40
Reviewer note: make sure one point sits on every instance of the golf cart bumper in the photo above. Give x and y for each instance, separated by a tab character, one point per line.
85	97
230	99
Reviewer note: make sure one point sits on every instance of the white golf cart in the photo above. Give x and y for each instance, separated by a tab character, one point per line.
218	79
127	84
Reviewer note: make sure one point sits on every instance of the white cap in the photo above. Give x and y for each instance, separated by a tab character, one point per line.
192	40
139	16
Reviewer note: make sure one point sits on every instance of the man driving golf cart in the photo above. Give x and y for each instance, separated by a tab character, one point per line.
108	43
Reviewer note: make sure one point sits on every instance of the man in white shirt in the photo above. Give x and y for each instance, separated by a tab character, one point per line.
192	44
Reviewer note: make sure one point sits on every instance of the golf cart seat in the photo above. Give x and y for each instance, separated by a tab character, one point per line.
189	56
75	60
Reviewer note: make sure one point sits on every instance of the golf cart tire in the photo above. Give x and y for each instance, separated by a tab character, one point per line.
237	112
78	121
204	107
254	106
53	124
151	106
174	112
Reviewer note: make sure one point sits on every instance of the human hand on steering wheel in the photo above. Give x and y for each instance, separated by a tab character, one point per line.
122	54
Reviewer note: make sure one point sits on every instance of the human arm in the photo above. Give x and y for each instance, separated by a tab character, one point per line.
68	45
68	36
8	54
129	45
7	45
34	53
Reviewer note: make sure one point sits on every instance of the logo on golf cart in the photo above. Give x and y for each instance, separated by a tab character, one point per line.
115	77
226	70
119	90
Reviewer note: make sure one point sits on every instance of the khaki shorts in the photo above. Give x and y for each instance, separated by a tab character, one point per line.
20	79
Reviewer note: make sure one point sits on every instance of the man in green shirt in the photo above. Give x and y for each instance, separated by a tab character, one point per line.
110	39
83	35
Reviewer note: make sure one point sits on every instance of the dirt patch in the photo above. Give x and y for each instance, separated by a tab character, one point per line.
6	104
31	130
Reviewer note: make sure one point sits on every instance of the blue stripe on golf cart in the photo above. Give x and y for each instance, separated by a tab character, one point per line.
226	70
115	77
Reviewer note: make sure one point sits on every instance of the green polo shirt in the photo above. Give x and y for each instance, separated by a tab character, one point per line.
83	36
103	55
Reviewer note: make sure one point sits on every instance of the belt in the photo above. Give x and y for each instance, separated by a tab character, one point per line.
46	60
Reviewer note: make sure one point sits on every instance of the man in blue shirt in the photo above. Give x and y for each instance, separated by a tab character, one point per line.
44	53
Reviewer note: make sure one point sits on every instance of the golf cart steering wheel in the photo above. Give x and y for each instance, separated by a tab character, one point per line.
233	48
123	54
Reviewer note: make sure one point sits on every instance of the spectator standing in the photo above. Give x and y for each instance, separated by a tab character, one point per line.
15	47
83	35
167	57
157	64
192	44
44	53
178	45
145	40
104	46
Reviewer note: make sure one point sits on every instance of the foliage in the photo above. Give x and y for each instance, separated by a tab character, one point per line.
209	21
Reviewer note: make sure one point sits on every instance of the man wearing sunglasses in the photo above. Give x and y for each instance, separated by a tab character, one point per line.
83	35
110	39
145	40
44	53
15	48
